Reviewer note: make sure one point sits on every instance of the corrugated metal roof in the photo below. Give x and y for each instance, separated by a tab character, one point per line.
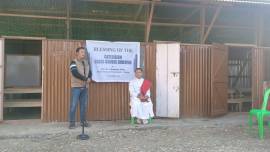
246	1
237	2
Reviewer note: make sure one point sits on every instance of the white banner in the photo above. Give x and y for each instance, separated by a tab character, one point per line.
113	61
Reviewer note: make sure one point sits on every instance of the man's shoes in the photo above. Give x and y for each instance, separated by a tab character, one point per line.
145	121
139	121
86	124
72	125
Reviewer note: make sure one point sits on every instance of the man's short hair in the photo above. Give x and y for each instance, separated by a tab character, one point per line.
138	69
79	48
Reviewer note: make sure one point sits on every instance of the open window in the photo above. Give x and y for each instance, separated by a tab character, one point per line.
22	79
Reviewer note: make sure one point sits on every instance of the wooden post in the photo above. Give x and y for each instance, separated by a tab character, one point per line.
202	24
1	78
211	25
68	25
149	22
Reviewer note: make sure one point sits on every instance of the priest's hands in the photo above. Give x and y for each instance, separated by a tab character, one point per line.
143	98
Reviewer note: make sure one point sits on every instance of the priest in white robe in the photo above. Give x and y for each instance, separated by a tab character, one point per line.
140	98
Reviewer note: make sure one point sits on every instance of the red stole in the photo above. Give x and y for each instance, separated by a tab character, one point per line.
145	87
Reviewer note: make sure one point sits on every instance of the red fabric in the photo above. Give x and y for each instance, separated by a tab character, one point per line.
145	87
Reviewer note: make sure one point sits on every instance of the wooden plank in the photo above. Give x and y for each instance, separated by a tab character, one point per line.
44	45
23	37
1	77
22	90
219	80
239	100
22	103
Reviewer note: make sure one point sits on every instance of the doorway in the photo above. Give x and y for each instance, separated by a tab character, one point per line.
240	78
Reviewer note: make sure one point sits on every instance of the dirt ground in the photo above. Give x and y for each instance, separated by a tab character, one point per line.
229	134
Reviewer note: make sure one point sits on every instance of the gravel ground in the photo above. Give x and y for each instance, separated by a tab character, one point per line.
229	134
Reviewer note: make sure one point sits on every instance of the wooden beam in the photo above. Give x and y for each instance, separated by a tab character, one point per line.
33	11
149	22
23	37
147	2
190	15
68	28
211	24
123	21
109	21
33	16
202	23
131	2
138	12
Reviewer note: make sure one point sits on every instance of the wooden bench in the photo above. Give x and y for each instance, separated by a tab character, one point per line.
22	90
239	102
16	103
22	103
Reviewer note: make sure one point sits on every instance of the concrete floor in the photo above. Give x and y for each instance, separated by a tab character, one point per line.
229	133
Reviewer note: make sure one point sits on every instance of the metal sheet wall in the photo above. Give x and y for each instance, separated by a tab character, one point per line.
256	71
261	74
107	101
195	80
110	101
56	56
150	67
